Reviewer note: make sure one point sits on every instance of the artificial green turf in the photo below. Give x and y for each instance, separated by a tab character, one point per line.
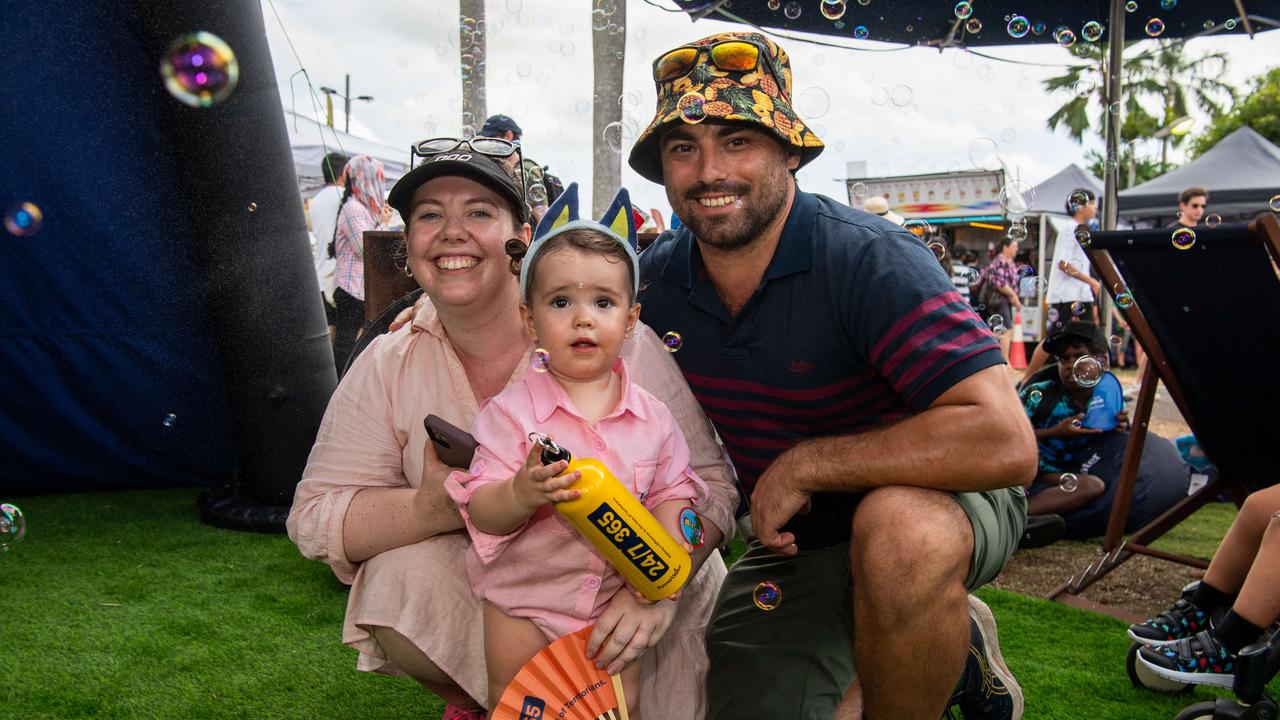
122	605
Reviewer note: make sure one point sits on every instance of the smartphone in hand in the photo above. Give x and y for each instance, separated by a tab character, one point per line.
454	446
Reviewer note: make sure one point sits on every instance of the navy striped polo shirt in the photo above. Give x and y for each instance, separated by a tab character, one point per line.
854	326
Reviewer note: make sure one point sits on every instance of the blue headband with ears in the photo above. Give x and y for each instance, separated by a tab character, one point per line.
618	222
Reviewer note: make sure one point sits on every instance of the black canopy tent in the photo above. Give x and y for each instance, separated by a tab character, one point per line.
1241	172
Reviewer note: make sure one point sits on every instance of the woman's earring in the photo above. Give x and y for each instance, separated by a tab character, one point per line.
408	271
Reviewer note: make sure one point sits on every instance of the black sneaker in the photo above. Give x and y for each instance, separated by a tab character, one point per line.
1183	620
1199	660
1042	530
987	690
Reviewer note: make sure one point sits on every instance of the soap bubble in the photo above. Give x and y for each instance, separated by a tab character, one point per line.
1274	204
1083	236
880	96
1068	482
1124	298
200	69
13	526
1168	4
984	155
540	360
1035	395
24	219
964	10
813	103
860	32
1087	371
1077	308
938	249
672	341
1184	238
1052	315
691	527
1131	6
169	420
1064	36
1017	231
859	189
253	207
996	323
538	194
1008	135
833	9
767	596
1230	24
1213	220
1079	199
919	228
613	136
1155	27
774	4
901	95
1084	87
1018	26
1016	197
1092	31
1038	27
973	26
693	107
792	10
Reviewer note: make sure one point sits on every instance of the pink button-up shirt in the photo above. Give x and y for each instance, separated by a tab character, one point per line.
545	570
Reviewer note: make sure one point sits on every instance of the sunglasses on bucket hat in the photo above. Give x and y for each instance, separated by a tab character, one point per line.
727	55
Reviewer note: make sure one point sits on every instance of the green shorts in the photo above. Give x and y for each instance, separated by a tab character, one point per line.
796	660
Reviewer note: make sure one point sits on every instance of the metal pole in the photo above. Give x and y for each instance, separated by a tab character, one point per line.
1111	164
346	106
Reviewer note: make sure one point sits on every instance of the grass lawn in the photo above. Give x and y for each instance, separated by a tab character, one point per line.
122	605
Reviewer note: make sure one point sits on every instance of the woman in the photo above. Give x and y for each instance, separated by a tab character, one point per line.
371	502
999	293
362	208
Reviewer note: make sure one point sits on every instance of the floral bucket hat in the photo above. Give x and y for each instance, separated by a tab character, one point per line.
734	76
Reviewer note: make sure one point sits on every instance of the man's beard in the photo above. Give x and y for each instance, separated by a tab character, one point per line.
745	226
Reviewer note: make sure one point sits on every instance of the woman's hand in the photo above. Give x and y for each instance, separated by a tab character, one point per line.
535	484
384	215
626	630
405	316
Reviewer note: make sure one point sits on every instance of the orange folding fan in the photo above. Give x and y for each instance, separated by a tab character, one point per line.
560	682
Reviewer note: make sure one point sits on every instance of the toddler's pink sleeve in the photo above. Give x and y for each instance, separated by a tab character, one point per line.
501	447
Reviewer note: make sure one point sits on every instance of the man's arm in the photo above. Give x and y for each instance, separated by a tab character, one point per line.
975	436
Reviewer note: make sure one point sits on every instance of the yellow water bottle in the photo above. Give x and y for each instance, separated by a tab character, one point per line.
620	528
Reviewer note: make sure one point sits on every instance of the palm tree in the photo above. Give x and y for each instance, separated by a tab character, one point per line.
1162	72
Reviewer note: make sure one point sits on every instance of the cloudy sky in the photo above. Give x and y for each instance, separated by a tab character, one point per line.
901	111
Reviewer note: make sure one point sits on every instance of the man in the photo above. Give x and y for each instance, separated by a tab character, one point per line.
1072	291
322	212
543	187
845	376
1191	205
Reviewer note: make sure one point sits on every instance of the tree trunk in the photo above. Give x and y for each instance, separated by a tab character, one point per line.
471	56
607	53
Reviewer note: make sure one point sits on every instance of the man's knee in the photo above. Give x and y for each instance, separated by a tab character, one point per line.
913	533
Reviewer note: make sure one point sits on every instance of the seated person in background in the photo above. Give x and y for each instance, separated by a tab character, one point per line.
1084	431
1060	411
1243	580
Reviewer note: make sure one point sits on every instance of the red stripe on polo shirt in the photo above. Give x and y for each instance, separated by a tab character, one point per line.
906	321
925	336
939	349
846	422
773	408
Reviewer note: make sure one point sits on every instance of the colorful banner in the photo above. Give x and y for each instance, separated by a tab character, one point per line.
939	195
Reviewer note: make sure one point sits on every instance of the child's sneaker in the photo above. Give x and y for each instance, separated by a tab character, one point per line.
1180	621
1199	660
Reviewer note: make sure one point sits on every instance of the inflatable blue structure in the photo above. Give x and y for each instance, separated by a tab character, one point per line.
162	326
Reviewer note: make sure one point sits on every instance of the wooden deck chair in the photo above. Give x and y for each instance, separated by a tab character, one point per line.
1208	317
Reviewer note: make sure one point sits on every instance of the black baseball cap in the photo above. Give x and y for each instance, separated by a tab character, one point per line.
1076	331
498	124
466	163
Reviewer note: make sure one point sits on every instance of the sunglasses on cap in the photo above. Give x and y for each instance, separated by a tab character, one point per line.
495	148
728	55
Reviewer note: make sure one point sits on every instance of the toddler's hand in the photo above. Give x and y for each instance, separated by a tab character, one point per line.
536	484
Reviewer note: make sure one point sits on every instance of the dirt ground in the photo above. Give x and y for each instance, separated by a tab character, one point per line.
1143	586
